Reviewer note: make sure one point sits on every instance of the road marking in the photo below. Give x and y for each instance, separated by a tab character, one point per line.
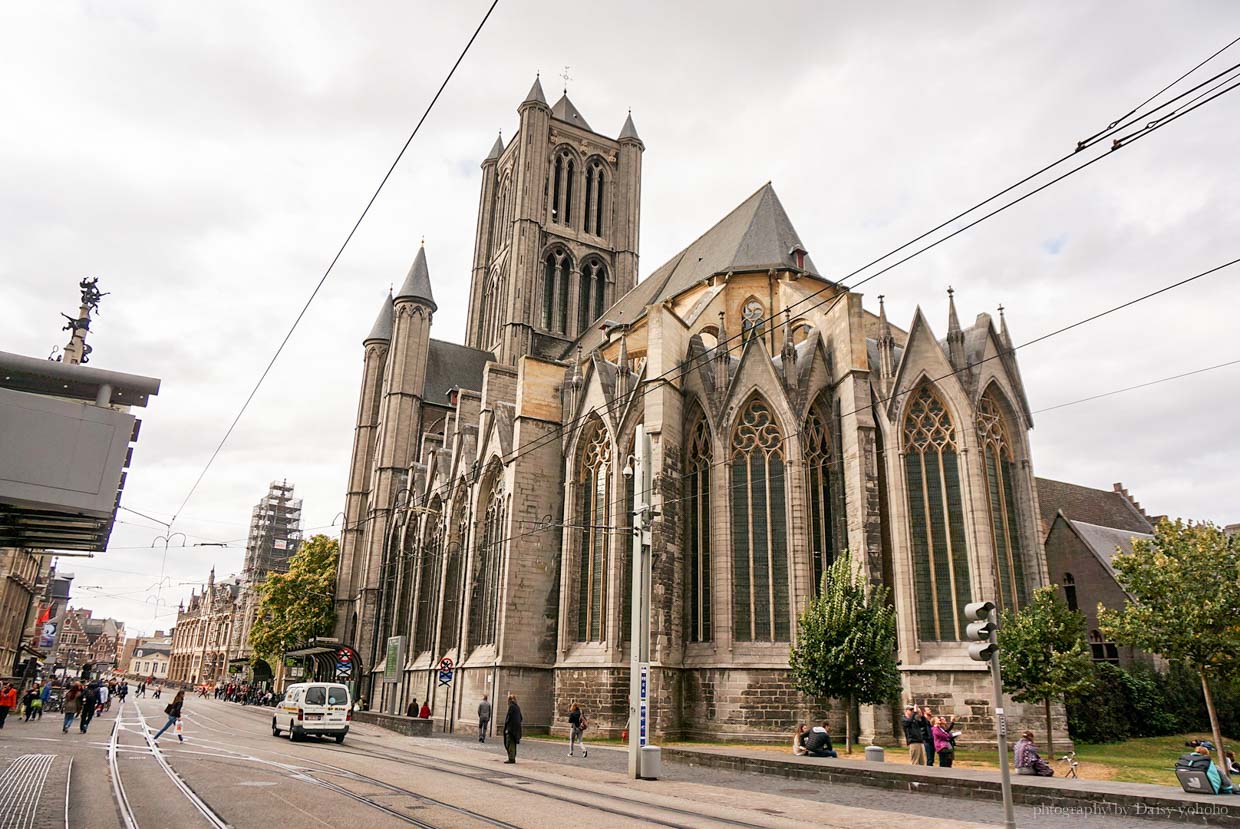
21	786
212	818
68	779
118	790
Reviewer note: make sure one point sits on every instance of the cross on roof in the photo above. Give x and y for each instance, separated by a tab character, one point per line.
566	78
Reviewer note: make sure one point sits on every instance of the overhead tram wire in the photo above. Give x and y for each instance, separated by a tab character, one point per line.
685	366
334	260
1114	392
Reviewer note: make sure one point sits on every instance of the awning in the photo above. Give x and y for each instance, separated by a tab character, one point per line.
46	530
310	650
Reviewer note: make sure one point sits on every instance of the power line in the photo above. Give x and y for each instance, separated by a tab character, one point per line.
333	262
1138	386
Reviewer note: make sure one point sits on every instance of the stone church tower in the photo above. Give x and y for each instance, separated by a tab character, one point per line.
557	231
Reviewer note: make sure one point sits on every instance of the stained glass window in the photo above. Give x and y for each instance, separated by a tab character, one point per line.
998	461
697	529
593	515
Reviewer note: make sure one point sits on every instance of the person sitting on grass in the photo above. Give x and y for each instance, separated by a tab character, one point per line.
817	742
798	740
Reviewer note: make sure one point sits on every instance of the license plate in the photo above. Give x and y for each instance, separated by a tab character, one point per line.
314	716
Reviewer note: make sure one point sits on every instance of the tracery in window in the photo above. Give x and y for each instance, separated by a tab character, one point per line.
825	493
594	520
759	528
429	571
591	296
697	528
492	531
1000	467
752	319
454	554
564	169
594	197
557	271
936	516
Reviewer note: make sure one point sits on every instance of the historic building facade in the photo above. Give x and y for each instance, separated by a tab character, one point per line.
488	516
202	637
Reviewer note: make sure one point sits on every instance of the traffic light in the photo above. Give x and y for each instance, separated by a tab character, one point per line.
981	630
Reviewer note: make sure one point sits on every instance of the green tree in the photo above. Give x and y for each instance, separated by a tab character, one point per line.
1184	604
1042	653
846	643
296	605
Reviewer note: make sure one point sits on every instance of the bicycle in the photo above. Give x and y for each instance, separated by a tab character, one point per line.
1073	765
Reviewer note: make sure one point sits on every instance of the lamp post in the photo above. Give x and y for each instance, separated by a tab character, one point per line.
163	564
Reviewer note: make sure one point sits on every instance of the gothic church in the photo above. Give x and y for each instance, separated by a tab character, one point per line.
488	515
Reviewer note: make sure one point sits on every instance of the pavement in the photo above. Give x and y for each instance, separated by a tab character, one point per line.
230	771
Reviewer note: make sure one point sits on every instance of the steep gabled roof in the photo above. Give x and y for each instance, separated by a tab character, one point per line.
757	235
1105	542
1099	507
565	111
449	365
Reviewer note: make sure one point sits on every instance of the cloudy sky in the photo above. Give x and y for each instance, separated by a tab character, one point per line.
205	161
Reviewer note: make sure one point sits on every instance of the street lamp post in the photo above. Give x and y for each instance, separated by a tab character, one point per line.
163	565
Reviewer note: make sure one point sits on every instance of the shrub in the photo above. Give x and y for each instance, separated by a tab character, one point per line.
1101	716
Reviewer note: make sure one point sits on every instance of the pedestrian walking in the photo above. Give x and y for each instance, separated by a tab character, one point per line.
8	701
173	710
28	701
72	705
928	729
576	729
412	710
105	699
45	696
944	743
512	728
484	718
90	705
915	735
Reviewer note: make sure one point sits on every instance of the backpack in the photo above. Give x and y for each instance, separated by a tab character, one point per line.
1193	762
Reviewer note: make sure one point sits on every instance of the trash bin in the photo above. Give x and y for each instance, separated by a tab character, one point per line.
874	753
652	762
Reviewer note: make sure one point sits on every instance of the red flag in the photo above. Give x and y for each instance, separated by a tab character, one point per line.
45	615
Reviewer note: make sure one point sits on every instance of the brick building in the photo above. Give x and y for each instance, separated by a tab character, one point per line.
488	510
202	639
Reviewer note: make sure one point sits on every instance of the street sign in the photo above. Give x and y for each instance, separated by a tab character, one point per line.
445	671
643	703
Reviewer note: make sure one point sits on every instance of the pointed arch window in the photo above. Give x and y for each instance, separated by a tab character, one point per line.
936	516
759	528
594	197
697	529
825	491
492	326
594	520
1000	467
492	530
564	171
591	296
1069	592
753	317
557	271
428	578
453	553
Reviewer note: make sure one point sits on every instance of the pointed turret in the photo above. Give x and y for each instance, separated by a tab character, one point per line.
886	344
721	356
536	95
381	331
497	149
955	337
417	285
629	132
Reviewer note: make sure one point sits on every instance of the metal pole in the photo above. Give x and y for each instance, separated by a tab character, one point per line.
637	628
1005	777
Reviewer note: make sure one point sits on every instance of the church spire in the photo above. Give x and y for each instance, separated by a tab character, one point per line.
535	95
1004	336
629	132
417	285
381	331
886	344
955	337
497	149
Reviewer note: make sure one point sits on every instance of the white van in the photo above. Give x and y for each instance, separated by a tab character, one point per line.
321	708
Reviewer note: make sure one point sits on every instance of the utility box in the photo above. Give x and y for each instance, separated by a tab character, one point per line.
874	754
652	762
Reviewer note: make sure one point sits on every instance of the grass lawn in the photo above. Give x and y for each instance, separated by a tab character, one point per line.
1141	760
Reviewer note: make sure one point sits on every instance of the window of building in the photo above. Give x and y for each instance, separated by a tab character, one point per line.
825	493
483	617
759	528
1000	467
563	174
697	528
753	317
431	560
1069	591
936	515
593	288
594	520
1102	650
594	197
557	271
450	626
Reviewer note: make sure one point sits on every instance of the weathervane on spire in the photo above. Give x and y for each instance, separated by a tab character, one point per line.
566	78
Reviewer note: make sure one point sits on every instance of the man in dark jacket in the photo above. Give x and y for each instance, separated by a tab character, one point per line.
818	742
90	702
512	728
927	722
915	727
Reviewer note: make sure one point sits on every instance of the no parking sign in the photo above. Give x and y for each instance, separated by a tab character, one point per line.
445	671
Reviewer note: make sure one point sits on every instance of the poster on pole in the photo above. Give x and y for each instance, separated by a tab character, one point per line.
394	663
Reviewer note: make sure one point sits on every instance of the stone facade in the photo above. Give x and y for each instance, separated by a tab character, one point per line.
489	520
20	571
202	638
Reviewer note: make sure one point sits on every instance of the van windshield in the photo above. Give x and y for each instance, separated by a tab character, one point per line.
315	696
337	696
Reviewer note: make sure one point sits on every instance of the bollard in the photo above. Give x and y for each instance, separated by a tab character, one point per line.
874	754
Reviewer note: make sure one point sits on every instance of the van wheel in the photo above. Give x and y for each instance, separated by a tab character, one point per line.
292	735
339	739
275	729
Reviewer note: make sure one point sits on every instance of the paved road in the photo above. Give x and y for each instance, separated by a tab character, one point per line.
231	772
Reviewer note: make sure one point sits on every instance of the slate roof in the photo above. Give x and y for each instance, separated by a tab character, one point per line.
628	130
1100	507
536	94
497	149
417	284
565	111
382	329
1104	542
449	365
755	236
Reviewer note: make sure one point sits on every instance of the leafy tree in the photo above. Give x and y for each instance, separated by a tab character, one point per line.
296	605
1184	589
846	643
1042	653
